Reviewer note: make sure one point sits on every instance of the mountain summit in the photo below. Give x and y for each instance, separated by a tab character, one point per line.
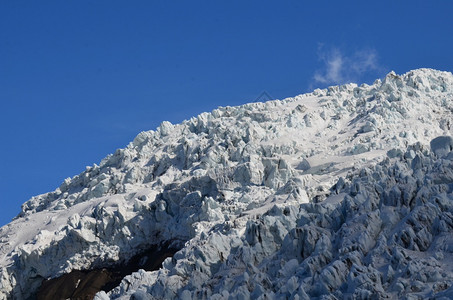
345	192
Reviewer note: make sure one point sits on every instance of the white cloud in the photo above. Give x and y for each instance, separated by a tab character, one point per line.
333	67
339	68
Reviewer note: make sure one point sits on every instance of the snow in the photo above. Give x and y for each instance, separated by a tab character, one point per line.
346	191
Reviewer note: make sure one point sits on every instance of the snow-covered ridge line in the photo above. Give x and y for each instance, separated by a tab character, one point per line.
204	183
383	104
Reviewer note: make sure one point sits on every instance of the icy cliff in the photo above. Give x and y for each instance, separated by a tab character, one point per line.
343	192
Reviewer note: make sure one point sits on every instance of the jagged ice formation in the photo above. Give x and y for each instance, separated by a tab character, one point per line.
345	192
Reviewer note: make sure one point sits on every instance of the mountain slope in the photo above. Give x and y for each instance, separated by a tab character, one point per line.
334	192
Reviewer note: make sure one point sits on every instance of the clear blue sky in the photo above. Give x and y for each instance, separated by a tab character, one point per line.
79	79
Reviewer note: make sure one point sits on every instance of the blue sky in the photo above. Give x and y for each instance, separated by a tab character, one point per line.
79	79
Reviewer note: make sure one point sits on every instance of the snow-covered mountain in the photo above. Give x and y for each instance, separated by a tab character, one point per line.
345	192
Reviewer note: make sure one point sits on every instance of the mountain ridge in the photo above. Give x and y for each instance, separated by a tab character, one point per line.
210	177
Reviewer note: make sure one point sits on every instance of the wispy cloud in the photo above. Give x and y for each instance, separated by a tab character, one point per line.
339	67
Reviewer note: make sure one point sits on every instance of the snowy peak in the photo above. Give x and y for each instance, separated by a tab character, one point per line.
338	121
241	187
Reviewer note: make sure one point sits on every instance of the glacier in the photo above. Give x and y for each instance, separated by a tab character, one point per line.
342	193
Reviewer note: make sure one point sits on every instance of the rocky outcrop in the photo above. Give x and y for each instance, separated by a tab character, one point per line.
85	284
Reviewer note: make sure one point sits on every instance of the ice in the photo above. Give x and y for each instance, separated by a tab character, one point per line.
345	192
442	145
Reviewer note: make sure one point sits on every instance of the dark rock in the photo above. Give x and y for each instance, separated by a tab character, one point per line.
83	285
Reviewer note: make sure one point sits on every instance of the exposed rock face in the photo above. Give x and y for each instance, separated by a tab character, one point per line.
75	285
81	285
341	193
